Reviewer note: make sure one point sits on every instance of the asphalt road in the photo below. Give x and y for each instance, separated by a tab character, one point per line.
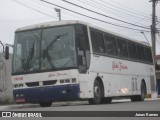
117	105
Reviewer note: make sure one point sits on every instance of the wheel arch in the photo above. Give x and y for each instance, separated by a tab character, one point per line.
144	82
99	79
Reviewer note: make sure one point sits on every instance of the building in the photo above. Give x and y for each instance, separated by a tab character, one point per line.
158	73
6	95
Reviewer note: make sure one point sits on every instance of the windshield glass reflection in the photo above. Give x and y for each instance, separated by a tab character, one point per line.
58	48
45	49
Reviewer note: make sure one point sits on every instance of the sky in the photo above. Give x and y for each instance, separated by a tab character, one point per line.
19	13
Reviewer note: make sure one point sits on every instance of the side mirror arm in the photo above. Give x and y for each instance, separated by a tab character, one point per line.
7	52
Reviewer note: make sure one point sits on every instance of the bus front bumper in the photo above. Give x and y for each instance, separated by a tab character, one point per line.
47	94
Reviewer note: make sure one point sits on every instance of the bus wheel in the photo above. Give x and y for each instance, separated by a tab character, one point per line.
143	92
97	94
140	97
45	104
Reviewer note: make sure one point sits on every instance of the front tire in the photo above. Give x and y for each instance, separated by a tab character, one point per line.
45	104
97	94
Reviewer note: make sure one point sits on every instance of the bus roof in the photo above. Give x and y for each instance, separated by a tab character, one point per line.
68	22
50	24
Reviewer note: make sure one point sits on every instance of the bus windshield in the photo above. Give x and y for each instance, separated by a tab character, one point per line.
44	49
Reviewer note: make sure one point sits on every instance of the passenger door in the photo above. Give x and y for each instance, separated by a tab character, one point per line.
83	48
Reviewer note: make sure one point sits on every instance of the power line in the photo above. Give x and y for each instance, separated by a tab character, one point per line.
92	17
83	19
97	23
65	13
130	11
31	4
145	37
105	15
45	6
112	12
122	11
34	9
107	9
102	25
124	6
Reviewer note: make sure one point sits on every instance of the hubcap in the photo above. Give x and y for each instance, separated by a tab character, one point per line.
97	91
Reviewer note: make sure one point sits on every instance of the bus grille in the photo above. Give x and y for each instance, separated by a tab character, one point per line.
32	84
50	82
36	84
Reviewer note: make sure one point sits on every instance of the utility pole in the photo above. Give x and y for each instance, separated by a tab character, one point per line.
153	34
58	13
153	28
153	37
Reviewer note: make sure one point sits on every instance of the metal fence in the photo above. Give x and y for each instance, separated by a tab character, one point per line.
3	75
5	78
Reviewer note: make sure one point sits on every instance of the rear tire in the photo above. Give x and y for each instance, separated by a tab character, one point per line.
143	92
140	97
97	94
45	104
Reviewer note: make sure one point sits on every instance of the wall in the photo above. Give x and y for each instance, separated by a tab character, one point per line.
5	80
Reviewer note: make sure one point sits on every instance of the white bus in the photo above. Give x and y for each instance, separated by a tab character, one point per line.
73	60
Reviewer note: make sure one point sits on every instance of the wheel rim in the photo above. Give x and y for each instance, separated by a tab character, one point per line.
97	91
143	89
142	92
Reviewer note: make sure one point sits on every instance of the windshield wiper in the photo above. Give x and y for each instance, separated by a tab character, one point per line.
31	52
45	51
29	57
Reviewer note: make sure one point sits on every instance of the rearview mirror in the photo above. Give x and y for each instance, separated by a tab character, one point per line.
7	52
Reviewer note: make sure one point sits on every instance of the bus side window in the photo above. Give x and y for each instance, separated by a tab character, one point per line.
97	41
140	50
82	47
122	48
110	43
132	51
148	55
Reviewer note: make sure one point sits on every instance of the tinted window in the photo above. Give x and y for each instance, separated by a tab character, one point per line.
83	47
97	41
110	43
148	54
82	37
132	51
122	48
140	50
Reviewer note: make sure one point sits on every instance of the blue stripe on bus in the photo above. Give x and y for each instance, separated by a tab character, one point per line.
48	93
